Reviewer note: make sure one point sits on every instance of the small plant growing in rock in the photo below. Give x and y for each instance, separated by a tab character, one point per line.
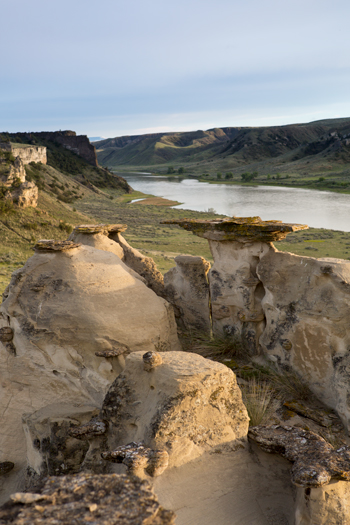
259	399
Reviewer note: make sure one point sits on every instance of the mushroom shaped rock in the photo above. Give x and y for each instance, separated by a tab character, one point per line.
66	304
185	406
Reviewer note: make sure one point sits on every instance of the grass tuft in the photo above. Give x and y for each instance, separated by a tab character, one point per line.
259	399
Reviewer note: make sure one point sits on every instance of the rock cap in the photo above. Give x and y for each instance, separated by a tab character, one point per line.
242	229
55	246
100	228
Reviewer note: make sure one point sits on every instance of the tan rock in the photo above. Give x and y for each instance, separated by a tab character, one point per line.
185	406
187	288
236	292
327	505
307	304
144	266
63	306
85	498
96	236
25	195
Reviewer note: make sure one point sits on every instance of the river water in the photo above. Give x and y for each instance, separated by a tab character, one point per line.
318	209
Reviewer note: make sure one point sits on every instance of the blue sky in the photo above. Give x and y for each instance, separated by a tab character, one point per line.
117	67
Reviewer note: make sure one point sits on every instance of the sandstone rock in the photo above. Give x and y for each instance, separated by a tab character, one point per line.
85	498
26	195
242	229
185	406
66	304
138	458
328	505
236	293
187	288
144	266
315	462
15	171
151	360
307	303
6	467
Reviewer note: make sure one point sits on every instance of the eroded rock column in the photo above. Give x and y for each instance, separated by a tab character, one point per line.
236	291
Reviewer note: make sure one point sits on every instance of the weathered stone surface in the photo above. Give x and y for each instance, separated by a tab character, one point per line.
26	195
327	505
187	288
137	458
6	334
63	307
96	235
95	427
144	266
104	499
48	245
236	293
185	406
151	360
5	467
242	229
307	303
315	462
29	154
13	172
116	351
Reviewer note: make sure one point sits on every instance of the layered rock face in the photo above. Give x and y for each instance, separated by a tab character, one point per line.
68	318
29	154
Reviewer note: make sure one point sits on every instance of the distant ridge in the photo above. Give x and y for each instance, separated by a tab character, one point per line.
232	148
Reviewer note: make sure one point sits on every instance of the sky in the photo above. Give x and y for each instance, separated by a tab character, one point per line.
121	67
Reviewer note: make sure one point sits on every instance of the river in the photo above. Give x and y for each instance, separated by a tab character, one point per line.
318	209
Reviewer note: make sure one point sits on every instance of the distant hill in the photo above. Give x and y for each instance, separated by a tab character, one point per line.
287	147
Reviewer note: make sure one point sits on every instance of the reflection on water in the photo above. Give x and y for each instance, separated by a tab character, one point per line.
319	209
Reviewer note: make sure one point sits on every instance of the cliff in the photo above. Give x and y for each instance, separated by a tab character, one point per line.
79	144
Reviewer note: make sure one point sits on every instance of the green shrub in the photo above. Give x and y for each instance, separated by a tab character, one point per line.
64	226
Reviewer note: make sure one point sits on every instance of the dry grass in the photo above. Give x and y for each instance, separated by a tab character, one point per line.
260	402
211	346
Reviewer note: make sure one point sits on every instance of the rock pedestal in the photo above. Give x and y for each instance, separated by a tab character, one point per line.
236	292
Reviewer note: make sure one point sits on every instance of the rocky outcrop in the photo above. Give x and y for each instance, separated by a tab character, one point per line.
292	309
105	499
307	307
26	153
108	237
317	471
185	406
187	289
67	304
13	176
79	144
25	195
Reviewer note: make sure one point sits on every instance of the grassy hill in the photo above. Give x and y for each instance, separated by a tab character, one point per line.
303	153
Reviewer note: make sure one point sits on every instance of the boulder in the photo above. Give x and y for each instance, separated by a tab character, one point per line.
67	304
25	195
184	405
